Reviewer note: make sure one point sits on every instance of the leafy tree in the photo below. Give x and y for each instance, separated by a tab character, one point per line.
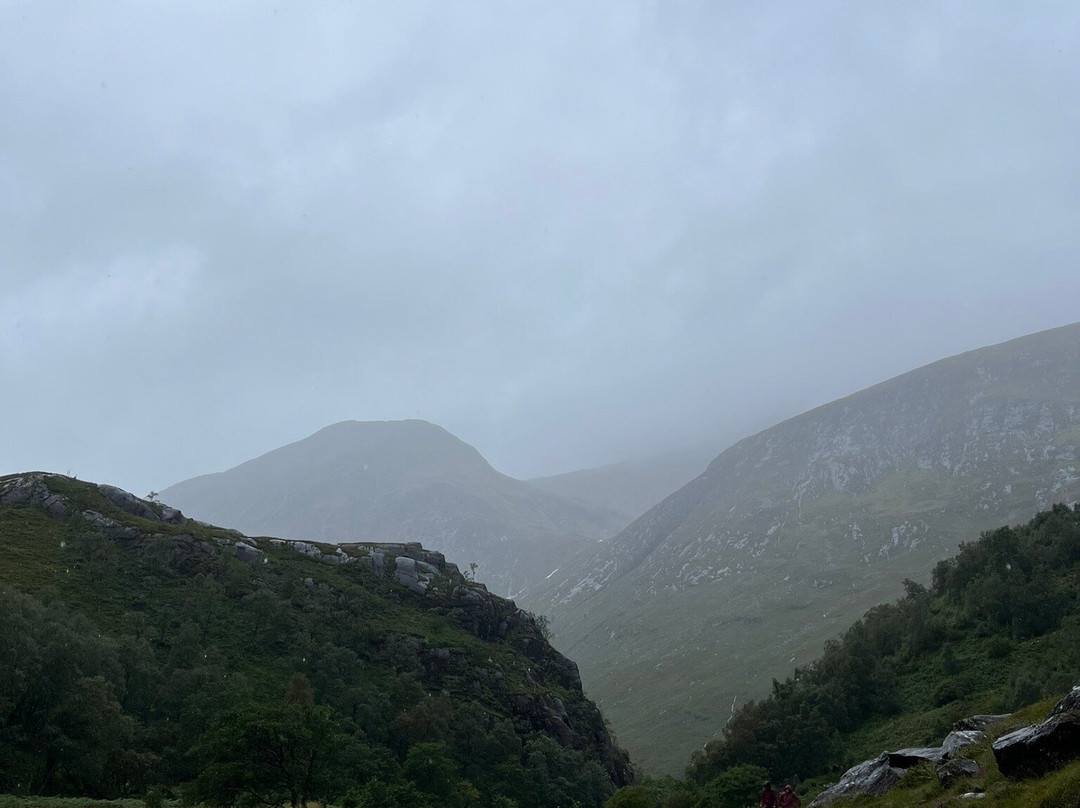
736	787
267	754
431	767
632	797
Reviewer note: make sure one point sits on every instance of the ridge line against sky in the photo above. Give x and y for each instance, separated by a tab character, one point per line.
569	233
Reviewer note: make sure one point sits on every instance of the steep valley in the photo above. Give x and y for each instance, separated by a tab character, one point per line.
792	533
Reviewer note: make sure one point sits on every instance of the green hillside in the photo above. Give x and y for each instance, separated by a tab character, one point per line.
791	534
997	632
140	650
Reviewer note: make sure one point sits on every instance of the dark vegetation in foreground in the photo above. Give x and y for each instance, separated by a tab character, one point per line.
998	629
145	659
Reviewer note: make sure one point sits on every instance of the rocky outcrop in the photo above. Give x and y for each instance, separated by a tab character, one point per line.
33	489
247	550
873	777
129	503
414	575
1032	751
30	489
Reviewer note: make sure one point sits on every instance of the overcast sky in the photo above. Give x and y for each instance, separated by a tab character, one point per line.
568	232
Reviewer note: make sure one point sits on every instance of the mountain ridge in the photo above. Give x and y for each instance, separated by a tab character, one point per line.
400	481
801	527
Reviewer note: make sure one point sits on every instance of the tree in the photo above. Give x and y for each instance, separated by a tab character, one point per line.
267	754
631	797
432	768
735	788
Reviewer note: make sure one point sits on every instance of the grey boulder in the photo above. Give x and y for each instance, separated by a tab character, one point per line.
874	777
1035	750
906	758
959	739
128	502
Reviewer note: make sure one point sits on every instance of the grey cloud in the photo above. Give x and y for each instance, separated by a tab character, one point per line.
567	232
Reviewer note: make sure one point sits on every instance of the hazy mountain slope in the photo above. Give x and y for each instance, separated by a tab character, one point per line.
633	486
399	481
793	532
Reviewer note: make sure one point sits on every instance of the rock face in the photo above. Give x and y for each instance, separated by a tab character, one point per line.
129	502
1033	751
30	489
823	515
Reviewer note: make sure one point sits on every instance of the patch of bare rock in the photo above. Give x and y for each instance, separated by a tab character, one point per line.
875	777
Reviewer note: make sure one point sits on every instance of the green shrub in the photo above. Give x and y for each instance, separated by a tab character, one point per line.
998	647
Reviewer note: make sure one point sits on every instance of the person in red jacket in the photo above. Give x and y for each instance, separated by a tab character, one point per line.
768	797
788	798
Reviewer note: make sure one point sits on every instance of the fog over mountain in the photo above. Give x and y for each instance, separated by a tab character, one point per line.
571	233
793	532
401	481
633	486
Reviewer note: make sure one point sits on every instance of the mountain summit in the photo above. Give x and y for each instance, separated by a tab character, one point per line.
792	533
400	481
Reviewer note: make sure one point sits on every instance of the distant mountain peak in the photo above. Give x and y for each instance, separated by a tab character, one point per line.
400	481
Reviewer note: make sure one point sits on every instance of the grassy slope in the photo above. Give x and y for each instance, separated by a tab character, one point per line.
129	591
729	645
94	578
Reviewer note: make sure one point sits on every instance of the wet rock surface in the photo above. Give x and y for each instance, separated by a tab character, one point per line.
877	776
906	758
959	739
1035	750
874	777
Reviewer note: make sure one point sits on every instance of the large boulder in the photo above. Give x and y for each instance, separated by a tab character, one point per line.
873	777
1033	751
913	756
